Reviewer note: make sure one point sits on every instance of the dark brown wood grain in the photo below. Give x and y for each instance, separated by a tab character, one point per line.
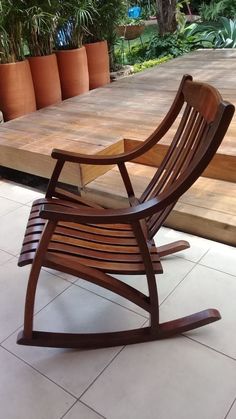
67	233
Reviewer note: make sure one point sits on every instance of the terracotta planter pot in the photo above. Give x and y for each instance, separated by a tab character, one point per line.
73	71
46	80
98	64
17	96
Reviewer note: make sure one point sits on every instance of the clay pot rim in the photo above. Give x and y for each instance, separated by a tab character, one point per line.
58	51
95	43
41	56
15	62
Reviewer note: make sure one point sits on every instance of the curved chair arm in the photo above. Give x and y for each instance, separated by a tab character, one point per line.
70	156
63	156
154	138
55	212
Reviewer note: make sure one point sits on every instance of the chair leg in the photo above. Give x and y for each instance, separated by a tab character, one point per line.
33	278
174	247
30	300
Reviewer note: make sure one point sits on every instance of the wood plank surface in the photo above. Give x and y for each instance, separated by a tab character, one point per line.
130	108
97	122
207	209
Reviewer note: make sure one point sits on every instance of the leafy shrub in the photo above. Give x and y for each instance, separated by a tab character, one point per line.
168	45
171	44
216	9
137	53
194	5
148	9
220	35
150	63
129	21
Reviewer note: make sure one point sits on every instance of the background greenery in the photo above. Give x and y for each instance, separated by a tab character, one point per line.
37	27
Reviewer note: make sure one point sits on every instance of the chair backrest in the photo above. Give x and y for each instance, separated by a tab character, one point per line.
203	124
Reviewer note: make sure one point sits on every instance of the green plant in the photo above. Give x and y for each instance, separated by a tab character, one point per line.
137	54
218	8
148	9
150	63
75	16
196	4
11	42
128	21
180	15
40	20
171	44
102	25
220	35
105	17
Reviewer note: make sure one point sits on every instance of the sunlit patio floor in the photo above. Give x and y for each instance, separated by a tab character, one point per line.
192	376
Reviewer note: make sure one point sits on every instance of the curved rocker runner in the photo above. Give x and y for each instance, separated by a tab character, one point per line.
73	235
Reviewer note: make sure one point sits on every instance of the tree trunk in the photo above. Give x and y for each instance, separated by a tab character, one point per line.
166	19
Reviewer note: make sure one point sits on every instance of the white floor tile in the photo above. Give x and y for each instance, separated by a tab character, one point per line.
76	310
4	257
175	269
178	378
205	288
12	228
73	369
62	275
25	394
80	411
13	282
232	413
198	245
6	206
168	379
18	193
221	257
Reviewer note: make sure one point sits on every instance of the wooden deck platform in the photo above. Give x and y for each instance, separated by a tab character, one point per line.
113	119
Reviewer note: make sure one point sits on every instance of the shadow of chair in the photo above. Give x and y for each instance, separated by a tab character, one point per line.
70	234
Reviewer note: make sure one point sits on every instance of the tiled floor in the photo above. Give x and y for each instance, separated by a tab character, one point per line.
188	377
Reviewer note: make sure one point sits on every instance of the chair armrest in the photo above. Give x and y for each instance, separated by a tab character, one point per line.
104	159
55	212
95	159
153	139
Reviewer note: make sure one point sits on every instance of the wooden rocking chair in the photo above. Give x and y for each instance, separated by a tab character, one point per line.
68	233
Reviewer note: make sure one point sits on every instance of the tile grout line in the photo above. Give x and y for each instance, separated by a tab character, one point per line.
217	270
227	414
99	414
90	408
111	301
67	411
95	379
208	250
37	312
208	347
45	269
60	386
10	254
210	267
39	372
198	263
179	283
109	363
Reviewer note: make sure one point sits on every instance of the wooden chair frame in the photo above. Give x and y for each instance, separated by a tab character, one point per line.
68	233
